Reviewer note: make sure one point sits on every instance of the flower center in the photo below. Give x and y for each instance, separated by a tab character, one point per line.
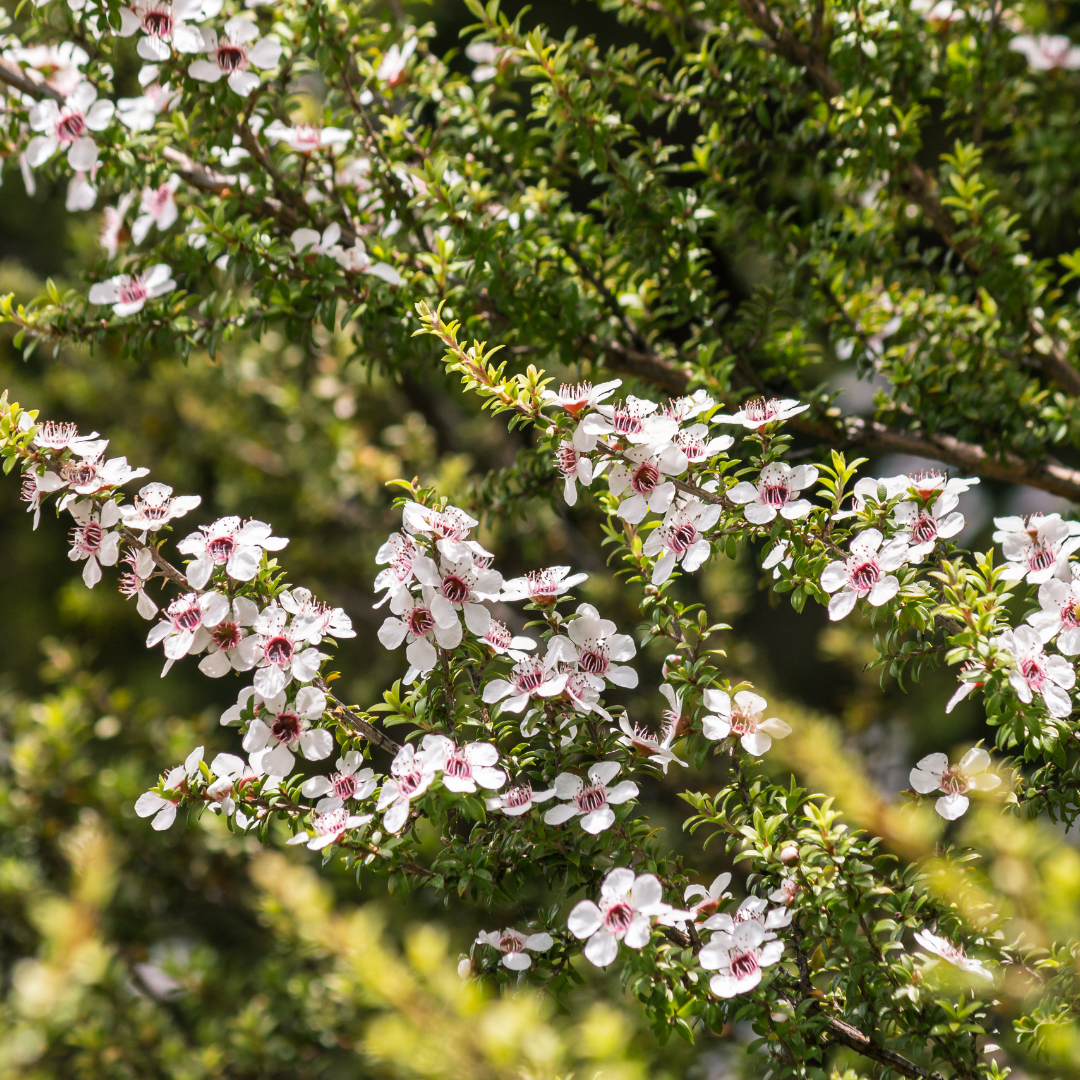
307	137
449	526
331	824
760	411
220	549
574	398
186	616
421	621
227	635
528	675
743	723
626	422
924	531
498	637
1040	557
132	290
691	446
410	782
1033	673
278	650
775	494
511	943
518	796
1069	617
542	585
594	659
70	127
954	782
158	22
865	576
56	435
591	798
618	917
153	509
286	728
230	57
343	785
79	473
646	477
682	538
744	965
457	766
566	459
87	538
456	589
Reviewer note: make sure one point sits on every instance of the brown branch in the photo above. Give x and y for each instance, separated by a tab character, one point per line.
349	717
851	1037
15	77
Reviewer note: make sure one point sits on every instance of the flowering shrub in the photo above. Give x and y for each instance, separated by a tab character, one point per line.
383	206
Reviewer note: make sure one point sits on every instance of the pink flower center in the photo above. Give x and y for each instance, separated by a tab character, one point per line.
160	199
56	435
408	783
618	917
87	538
70	127
591	798
566	459
511	943
761	411
185	615
307	137
343	785
79	473
924	531
456	589
691	446
744	965
594	658
457	766
227	635
1069	616
865	576
132	290
645	478
220	548
528	675
498	637
542	585
775	493
954	782
682	538
231	57
449	525
421	622
742	722
286	728
1040	557
155	508
278	650
518	796
332	824
626	422
1033	673
158	22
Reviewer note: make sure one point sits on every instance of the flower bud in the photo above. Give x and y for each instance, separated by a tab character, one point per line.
464	968
789	853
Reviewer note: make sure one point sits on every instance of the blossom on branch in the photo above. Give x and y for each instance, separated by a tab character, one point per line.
66	127
627	906
541	586
162	807
934	773
128	293
411	774
155	506
228	542
464	768
1060	615
592	799
164	26
756	414
776	492
513	945
1032	671
270	743
743	719
947	951
305	138
93	538
1037	548
232	54
864	573
739	957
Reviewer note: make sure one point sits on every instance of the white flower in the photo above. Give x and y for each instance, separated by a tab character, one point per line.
305	138
89	474
923	527
223	650
786	892
512	944
1033	672
501	641
542	586
416	622
228	768
594	799
128	293
656	748
738	958
576	397
66	127
238	547
157	208
329	828
752	909
349	782
313	620
944	948
356	260
164	25
309	242
680	539
1060	615
864	573
756	414
458	584
529	677
695	443
184	629
691	405
411	775
711	897
1037	549
57	65
274	648
60	435
270	745
635	420
450	523
112	221
596	646
92	540
627	906
231	55
162	807
133	582
643	477
1045	52
399	551
487	57
518	800
140	113
575	468
934	773
81	194
464	768
776	491
742	719
156	506
391	69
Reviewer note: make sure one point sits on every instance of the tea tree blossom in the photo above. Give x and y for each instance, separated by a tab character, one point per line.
329	828
529	677
1059	615
575	398
312	620
306	138
742	719
458	585
236	546
223	650
697	445
450	523
399	551
1046	52
502	642
627	906
739	958
634	420
575	468
53	435
1032	671
641	480
656	749
922	527
270	745
128	293
356	260
515	946
541	586
414	620
155	506
411	774
704	902
58	66
350	781
947	951
183	630
593	799
133	582
234	54
161	807
228	769
275	650
934	773
66	127
164	27
141	113
157	208
756	414
752	909
518	800
92	539
391	69
1037	548
464	768
597	648
775	492
864	573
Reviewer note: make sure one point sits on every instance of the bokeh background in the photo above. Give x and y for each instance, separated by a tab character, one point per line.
196	953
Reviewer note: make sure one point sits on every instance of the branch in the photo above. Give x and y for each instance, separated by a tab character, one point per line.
14	76
346	716
791	48
856	1040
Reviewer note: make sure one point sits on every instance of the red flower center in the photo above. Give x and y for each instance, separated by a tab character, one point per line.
230	57
70	127
279	650
744	965
645	478
227	635
776	493
594	659
286	728
924	531
157	23
421	621
591	798
865	576
79	473
618	917
456	589
132	290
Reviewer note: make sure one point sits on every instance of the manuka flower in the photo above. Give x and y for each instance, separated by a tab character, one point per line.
529	677
464	768
236	546
707	900
596	647
458	585
655	748
89	473
234	53
864	573
411	775
414	620
58	435
313	620
164	27
513	945
1036	548
1047	52
391	69
625	913
542	586
640	481
184	628
163	807
680	538
756	414
922	527
66	127
128	293
349	782
450	523
156	209
518	800
1032	671
223	650
92	540
329	828
947	951
738	958
934	773
1060	615
634	420
275	649
399	551
743	719
305	138
155	506
57	66
575	398
271	743
776	492
575	467
593	798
